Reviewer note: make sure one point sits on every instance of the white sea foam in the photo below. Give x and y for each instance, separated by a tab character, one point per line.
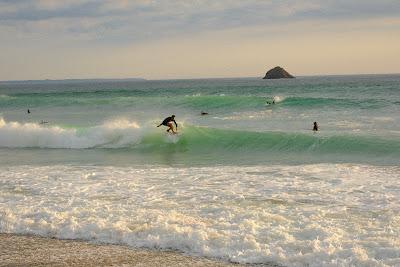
278	98
309	215
5	96
117	133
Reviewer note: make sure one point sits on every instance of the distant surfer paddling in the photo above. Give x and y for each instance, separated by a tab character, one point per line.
316	127
271	103
168	122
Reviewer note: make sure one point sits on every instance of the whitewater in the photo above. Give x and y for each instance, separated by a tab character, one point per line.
250	182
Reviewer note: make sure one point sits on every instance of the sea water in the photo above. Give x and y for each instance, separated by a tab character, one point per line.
250	182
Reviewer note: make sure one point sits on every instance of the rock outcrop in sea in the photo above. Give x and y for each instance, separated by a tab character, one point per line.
277	73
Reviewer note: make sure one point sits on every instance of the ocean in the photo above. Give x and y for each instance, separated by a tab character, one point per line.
250	182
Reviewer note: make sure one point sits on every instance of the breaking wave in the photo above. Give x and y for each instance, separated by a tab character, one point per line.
129	135
116	134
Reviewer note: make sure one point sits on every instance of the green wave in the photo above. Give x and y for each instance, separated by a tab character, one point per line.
123	134
196	102
206	140
313	102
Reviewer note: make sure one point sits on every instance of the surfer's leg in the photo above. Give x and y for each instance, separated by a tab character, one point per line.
170	127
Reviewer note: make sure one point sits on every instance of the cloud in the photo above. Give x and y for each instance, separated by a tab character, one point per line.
132	38
247	51
123	20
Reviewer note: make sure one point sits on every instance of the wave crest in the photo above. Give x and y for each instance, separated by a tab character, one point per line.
118	133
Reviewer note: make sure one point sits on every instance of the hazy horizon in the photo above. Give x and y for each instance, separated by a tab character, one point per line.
194	78
155	40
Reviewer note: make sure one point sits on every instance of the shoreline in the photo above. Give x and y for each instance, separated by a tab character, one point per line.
31	250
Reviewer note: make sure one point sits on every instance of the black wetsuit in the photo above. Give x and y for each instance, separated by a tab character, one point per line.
169	119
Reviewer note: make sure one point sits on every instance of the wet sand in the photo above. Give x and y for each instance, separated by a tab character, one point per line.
22	250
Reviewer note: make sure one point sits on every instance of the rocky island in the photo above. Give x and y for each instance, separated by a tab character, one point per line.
277	73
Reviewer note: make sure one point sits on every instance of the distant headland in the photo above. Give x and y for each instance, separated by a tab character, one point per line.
76	80
277	73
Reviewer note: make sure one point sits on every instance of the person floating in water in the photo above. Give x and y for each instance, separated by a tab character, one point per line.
315	128
28	111
168	122
271	103
204	113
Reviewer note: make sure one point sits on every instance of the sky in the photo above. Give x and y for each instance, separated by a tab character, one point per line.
169	39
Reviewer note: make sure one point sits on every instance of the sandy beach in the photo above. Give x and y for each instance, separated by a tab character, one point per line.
21	250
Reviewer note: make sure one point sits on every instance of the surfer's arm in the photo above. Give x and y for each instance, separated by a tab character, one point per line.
176	125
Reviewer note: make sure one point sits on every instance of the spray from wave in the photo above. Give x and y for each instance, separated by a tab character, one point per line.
118	133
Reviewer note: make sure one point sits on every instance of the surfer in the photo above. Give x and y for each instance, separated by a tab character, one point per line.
168	122
315	128
204	113
271	103
28	111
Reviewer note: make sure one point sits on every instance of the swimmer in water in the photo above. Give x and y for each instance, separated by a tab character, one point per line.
271	103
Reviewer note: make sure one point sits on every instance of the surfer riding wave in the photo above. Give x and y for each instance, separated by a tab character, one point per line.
168	122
